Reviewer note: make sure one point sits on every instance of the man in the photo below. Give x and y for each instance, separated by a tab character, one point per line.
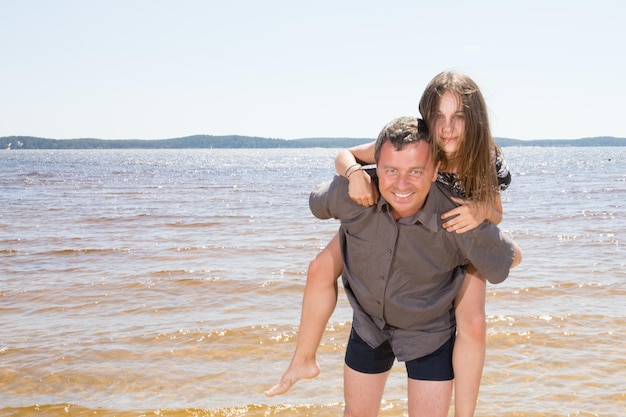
402	271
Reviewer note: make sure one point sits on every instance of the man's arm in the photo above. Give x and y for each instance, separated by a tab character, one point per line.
318	201
331	200
492	252
517	258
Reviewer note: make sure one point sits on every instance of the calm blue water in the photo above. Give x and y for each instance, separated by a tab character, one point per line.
140	282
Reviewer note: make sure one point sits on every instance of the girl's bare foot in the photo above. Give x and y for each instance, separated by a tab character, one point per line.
292	375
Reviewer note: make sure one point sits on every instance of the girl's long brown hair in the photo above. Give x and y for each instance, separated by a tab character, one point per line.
475	158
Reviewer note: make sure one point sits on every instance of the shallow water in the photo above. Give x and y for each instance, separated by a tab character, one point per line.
168	282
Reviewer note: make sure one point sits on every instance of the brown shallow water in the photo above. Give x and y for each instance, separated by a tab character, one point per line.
169	283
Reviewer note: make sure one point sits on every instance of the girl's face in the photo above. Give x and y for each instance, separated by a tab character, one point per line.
450	123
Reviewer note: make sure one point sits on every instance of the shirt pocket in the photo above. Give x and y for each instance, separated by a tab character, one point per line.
358	256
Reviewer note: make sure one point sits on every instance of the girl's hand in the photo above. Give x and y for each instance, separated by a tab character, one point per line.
361	189
469	215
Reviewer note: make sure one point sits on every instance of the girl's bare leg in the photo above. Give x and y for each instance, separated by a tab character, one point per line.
468	357
318	303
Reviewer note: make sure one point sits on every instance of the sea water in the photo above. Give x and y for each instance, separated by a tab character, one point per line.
169	282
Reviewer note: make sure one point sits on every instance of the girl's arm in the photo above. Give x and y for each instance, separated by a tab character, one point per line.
470	214
348	164
361	154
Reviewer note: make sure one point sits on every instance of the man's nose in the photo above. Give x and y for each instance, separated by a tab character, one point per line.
402	181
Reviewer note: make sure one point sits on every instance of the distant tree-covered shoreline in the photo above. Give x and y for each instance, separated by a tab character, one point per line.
234	141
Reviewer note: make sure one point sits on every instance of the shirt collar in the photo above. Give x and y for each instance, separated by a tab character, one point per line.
428	215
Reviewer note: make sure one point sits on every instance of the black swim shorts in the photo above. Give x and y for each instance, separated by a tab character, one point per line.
436	366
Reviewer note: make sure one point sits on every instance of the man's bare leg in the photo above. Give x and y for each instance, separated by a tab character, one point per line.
468	357
318	303
429	398
362	392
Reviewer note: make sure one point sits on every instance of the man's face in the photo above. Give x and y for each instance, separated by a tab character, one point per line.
404	177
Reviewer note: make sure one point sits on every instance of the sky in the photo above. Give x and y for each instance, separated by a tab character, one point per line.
154	69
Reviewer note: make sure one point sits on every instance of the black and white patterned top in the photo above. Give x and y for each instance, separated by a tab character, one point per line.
502	172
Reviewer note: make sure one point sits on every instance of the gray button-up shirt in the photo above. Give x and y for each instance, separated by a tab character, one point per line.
401	277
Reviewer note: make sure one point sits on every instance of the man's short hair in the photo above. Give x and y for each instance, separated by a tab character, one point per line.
405	130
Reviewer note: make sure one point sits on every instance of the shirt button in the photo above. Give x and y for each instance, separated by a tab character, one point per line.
382	277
